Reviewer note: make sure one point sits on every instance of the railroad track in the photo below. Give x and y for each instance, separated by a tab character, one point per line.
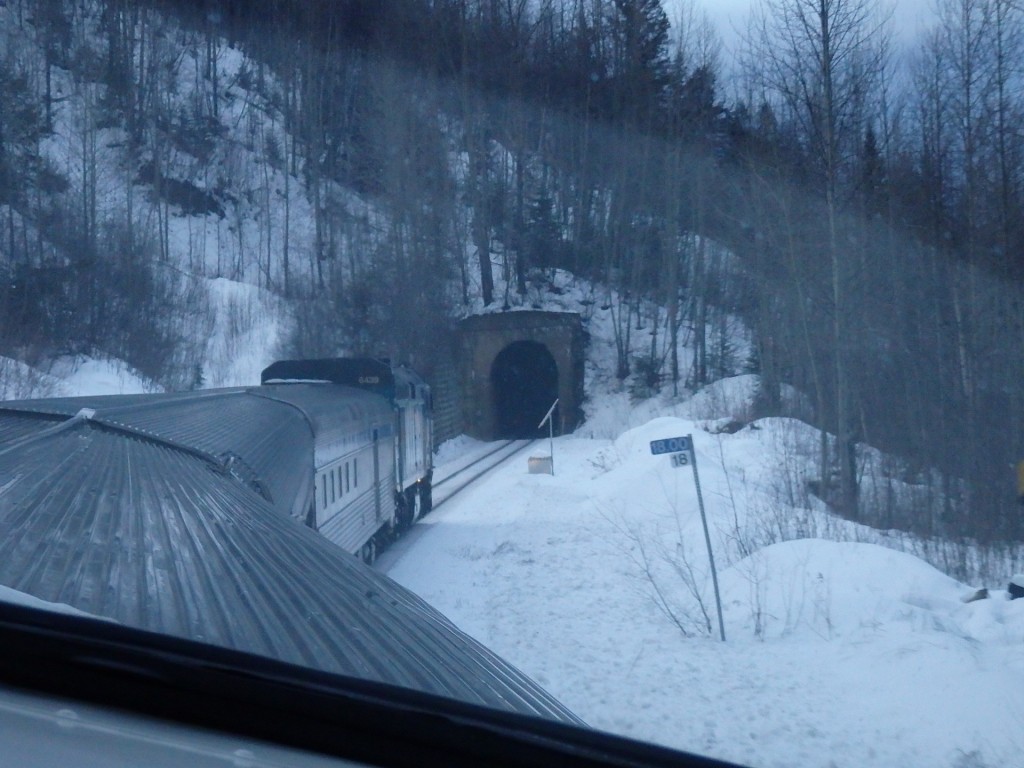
471	472
446	488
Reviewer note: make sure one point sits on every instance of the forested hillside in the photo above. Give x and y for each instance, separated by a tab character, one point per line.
381	167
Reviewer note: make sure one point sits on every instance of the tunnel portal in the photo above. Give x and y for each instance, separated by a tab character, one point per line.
512	367
524	383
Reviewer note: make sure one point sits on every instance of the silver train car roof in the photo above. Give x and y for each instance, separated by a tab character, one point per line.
134	508
265	435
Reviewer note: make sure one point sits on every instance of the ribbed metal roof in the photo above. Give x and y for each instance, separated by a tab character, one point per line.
17	426
269	429
130	515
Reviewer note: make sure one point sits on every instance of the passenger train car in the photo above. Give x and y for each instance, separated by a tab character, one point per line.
189	514
372	448
204	542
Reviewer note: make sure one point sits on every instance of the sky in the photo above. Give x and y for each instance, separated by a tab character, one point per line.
729	16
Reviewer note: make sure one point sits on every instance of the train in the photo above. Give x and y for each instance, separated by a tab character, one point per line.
344	445
240	518
372	463
199	558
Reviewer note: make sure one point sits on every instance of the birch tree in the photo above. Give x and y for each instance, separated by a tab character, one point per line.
819	60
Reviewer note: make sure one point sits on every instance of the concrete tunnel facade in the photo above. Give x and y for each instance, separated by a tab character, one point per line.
514	365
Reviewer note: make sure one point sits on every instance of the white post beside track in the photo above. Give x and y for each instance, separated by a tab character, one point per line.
551	432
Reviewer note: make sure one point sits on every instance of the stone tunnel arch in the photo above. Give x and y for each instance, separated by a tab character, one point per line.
507	361
524	384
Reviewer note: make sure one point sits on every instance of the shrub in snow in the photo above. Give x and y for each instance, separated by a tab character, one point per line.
1016	588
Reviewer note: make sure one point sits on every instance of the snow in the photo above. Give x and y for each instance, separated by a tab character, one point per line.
838	653
454	455
70	376
13	596
83	375
20	381
247	329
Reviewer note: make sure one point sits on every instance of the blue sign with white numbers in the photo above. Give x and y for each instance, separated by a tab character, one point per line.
671	445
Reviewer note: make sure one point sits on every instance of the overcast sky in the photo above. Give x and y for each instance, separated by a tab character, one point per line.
909	16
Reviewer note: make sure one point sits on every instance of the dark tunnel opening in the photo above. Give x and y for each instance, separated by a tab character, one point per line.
524	380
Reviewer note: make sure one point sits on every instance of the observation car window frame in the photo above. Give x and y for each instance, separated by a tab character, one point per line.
236	694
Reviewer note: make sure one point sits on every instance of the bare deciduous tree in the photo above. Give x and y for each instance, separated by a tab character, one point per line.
820	60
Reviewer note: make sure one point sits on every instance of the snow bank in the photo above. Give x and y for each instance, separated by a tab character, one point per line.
71	376
248	325
19	381
839	589
838	653
83	375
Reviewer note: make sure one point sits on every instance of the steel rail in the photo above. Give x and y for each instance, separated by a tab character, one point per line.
524	444
474	462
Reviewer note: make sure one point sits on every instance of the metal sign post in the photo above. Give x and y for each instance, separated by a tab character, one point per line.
551	432
682	452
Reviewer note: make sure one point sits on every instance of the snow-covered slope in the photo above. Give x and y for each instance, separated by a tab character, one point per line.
838	653
70	376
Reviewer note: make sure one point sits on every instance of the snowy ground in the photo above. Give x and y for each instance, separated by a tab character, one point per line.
70	376
837	654
840	651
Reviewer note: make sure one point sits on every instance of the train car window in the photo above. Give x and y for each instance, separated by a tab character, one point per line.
346	477
355	473
324	488
333	495
342	490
